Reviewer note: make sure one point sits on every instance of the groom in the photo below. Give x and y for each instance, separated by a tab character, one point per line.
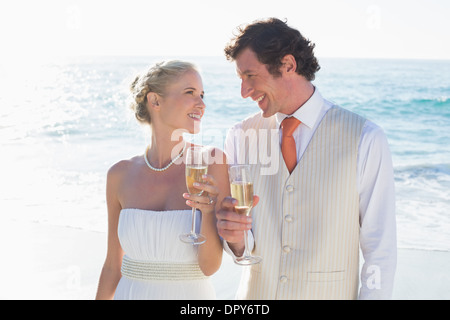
333	192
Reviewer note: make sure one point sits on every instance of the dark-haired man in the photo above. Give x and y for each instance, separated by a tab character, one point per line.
323	175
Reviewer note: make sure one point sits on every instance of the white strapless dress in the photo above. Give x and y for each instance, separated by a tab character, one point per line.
157	265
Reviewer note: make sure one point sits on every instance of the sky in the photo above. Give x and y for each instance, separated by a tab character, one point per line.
405	29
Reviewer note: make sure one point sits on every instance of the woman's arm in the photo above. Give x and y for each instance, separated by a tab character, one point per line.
110	275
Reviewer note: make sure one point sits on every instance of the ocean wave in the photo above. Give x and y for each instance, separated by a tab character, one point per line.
427	170
428	182
423	205
437	102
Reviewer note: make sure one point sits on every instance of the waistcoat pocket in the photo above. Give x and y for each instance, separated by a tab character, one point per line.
326	276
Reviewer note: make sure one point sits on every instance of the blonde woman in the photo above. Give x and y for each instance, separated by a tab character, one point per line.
147	200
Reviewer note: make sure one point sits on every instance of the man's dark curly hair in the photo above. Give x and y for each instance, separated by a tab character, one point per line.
271	40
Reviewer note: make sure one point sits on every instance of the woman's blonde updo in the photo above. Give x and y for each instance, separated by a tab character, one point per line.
155	80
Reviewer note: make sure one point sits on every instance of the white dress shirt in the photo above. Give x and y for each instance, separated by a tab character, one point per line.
376	191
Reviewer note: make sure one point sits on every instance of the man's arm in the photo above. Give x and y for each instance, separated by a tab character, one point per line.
377	214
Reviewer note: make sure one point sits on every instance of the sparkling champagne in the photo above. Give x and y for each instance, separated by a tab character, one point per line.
194	174
243	193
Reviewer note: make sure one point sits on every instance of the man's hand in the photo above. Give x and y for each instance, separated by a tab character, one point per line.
231	225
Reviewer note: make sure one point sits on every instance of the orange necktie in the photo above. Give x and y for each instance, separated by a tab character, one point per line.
288	148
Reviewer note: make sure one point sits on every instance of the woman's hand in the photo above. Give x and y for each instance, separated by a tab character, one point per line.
205	202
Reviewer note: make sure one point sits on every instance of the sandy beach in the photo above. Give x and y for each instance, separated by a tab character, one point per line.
64	263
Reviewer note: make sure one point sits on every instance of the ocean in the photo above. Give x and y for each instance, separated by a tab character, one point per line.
64	123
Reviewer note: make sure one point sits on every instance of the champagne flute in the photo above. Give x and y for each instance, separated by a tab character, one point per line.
196	167
242	190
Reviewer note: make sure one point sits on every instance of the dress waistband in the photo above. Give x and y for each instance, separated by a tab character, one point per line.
152	270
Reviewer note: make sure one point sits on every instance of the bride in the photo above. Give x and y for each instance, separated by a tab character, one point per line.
147	200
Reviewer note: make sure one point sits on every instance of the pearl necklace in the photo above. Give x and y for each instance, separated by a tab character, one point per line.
170	163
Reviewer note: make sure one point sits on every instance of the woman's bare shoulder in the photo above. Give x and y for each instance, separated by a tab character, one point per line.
122	167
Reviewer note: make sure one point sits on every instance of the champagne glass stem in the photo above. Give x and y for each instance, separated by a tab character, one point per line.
192	237
246	251
193	221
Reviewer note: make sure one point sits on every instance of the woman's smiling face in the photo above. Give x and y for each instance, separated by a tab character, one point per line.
182	105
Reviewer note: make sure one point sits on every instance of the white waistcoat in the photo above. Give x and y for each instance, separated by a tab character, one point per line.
306	225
